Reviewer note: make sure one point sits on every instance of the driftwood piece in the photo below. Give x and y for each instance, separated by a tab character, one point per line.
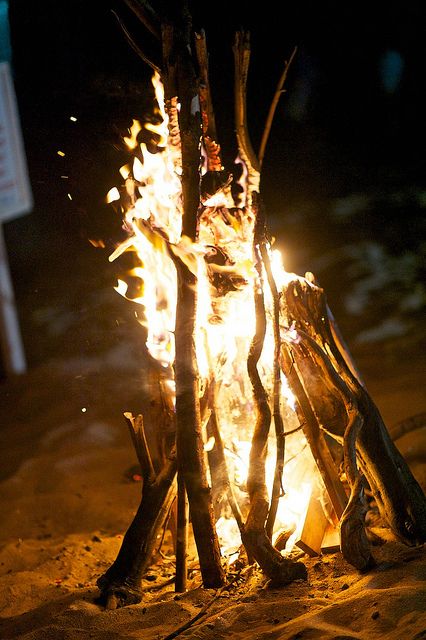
120	584
353	538
334	393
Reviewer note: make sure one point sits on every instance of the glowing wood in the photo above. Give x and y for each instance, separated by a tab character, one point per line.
314	527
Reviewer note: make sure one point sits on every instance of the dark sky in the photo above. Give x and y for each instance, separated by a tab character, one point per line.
64	49
352	117
352	121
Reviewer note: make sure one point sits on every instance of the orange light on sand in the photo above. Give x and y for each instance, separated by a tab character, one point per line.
223	253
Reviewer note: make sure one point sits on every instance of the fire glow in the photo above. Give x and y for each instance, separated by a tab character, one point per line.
255	420
222	261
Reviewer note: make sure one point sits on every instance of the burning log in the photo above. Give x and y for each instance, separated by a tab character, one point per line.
241	346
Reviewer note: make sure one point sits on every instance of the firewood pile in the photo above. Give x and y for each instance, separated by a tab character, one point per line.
241	353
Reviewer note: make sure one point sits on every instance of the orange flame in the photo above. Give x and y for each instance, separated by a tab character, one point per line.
222	260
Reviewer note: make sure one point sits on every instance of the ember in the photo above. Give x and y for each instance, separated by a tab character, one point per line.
259	410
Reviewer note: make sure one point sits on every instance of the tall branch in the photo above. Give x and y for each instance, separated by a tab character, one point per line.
270	117
180	81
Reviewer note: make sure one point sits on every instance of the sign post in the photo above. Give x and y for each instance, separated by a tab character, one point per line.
15	199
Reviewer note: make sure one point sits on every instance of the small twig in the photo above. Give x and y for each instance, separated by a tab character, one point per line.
134	46
207	606
277	95
299	428
146	14
163	534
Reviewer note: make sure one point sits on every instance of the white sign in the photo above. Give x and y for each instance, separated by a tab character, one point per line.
15	191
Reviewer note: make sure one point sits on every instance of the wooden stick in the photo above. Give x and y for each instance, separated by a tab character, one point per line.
257	543
181	538
136	48
180	80
277	95
137	433
256	482
277	488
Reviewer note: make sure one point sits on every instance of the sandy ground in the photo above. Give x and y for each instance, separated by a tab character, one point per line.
67	495
67	491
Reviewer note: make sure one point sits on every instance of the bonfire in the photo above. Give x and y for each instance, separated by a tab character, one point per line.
258	436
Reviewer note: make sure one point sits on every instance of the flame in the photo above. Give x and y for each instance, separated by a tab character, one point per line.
222	260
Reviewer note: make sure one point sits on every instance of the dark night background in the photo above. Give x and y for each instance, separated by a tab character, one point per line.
345	189
344	165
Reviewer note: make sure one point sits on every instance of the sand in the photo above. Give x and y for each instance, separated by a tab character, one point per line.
68	492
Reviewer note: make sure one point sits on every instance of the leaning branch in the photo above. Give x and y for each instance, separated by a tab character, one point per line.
277	488
277	95
146	14
134	46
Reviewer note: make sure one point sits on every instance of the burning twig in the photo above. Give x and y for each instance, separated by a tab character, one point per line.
277	487
208	121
